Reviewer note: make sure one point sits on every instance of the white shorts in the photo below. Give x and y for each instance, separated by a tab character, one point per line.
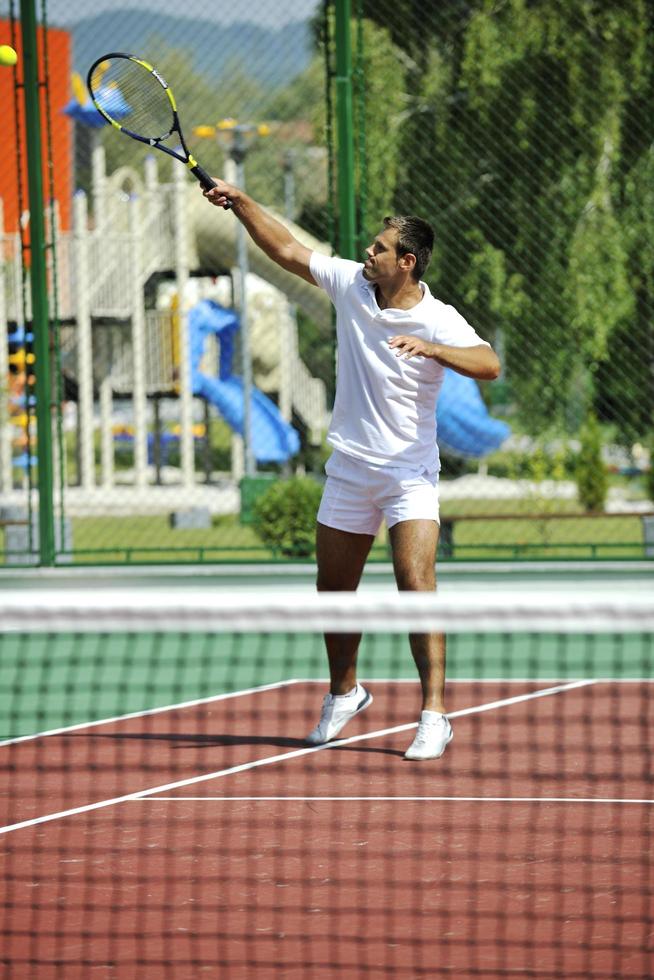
358	495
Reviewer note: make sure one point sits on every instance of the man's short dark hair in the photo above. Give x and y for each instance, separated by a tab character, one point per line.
415	236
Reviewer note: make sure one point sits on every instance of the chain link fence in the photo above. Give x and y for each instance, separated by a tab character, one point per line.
522	131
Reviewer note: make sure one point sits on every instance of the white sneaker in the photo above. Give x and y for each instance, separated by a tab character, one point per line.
337	710
432	738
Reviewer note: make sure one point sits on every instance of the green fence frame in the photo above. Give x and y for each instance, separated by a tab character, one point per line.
38	283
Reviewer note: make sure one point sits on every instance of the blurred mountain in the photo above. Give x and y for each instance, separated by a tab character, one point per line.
271	57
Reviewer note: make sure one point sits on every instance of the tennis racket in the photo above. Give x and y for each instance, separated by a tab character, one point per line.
137	101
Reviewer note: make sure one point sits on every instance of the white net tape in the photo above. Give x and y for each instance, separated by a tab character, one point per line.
211	610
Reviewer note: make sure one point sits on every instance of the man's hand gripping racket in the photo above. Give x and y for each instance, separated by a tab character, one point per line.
221	194
137	101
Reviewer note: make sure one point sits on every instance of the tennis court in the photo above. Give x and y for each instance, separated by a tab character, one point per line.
162	815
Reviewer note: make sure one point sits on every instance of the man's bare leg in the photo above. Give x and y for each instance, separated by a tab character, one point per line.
414	545
341	557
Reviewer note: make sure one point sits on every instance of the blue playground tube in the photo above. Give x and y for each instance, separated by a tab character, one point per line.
273	439
464	426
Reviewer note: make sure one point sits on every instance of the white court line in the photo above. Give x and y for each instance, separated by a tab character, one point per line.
269	760
147	711
388	799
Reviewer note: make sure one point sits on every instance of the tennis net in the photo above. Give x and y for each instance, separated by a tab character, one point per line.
163	815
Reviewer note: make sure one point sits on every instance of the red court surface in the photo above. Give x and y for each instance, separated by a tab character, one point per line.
525	851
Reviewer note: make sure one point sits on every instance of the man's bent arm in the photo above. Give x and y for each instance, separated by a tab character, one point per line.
479	362
270	235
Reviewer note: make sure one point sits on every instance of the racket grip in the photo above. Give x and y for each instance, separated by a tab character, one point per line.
207	182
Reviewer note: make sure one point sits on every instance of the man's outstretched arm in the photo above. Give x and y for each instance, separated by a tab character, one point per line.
270	235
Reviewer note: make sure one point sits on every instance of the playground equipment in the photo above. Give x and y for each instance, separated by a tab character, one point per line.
273	439
143	231
20	435
120	352
136	232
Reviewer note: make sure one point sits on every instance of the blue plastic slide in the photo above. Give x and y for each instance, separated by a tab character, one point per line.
273	439
464	426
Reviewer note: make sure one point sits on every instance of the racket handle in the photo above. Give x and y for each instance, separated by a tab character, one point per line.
207	182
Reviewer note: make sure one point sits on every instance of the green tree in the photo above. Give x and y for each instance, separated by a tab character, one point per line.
590	472
379	131
526	140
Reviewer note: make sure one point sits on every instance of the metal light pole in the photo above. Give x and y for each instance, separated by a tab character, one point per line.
238	151
289	337
238	137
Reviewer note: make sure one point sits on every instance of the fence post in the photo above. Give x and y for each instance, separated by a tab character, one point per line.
648	536
38	283
5	425
344	119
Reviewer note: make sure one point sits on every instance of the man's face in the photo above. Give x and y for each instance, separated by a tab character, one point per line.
382	258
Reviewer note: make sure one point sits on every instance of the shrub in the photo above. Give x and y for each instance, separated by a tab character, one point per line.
285	516
590	474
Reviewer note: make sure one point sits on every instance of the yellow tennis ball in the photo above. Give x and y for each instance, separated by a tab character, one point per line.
7	55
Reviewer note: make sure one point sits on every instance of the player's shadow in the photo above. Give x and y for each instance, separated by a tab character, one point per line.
205	740
188	740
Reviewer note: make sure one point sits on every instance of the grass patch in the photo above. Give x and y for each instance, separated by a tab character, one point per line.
483	530
151	538
549	537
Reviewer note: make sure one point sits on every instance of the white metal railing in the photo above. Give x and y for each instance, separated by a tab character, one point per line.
309	399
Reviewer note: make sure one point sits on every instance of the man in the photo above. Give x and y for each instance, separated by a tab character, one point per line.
394	342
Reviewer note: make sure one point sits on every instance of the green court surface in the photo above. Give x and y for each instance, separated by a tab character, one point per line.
60	679
63	679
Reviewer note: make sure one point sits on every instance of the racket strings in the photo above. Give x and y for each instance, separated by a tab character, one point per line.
132	96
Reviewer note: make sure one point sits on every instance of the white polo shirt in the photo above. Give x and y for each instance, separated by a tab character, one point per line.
385	406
